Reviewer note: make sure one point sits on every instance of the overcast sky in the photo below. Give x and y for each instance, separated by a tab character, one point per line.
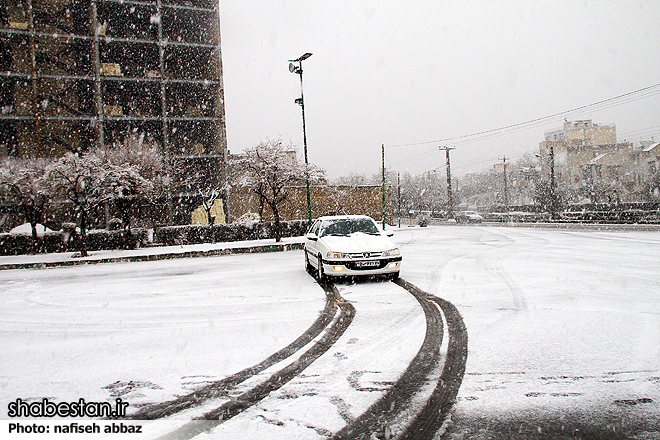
429	72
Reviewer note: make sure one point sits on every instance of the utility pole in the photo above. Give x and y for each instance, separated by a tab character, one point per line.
506	194
553	185
398	188
450	202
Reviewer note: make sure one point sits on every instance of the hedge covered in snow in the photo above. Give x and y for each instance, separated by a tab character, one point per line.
195	234
66	241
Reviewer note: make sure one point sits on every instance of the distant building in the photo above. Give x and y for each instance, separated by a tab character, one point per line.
584	132
78	73
589	163
647	159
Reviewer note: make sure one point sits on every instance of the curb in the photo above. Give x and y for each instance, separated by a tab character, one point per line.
279	247
577	225
560	225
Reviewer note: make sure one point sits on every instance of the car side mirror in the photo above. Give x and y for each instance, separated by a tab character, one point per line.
311	236
389	233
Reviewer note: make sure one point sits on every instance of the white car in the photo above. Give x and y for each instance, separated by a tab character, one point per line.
469	217
350	245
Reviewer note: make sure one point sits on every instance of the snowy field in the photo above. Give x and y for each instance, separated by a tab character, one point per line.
564	332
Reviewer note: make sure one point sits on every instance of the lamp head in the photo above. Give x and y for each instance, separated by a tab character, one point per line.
302	57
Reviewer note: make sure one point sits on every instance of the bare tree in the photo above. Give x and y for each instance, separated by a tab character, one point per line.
268	169
22	181
209	195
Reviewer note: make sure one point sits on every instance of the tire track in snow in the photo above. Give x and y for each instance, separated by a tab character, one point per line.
220	388
431	418
390	408
495	267
213	418
436	268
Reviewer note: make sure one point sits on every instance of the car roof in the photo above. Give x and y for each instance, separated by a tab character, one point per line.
341	217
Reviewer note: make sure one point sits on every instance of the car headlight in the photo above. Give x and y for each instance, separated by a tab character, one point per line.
392	253
335	255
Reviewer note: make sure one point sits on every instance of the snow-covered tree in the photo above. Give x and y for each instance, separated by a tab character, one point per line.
84	182
268	169
424	192
209	196
135	153
90	180
654	184
352	180
22	181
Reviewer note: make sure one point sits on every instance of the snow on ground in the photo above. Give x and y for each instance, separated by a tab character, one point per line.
560	322
168	325
149	331
386	333
26	229
563	325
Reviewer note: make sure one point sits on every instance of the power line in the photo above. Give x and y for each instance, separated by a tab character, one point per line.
641	134
636	95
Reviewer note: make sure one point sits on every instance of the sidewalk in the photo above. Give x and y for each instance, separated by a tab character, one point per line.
42	261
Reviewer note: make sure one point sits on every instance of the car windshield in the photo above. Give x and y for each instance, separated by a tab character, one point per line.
344	227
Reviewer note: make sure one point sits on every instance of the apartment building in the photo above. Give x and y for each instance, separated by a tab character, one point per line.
589	163
78	73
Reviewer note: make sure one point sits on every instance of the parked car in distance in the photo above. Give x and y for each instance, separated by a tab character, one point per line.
350	245
469	217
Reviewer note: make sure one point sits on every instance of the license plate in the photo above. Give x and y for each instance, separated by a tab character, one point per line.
367	263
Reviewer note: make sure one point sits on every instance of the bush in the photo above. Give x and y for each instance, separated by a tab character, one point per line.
67	241
195	234
18	244
115	224
103	239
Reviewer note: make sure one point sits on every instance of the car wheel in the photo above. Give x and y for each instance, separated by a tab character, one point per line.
394	276
320	274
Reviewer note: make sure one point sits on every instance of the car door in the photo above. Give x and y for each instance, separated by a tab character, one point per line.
311	243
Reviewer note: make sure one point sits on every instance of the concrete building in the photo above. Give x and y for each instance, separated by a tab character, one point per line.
585	132
590	164
78	73
647	159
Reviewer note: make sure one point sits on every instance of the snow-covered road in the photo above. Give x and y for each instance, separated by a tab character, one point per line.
157	328
150	331
564	333
564	327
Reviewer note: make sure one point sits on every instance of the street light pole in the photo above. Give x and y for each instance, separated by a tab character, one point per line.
298	69
383	163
